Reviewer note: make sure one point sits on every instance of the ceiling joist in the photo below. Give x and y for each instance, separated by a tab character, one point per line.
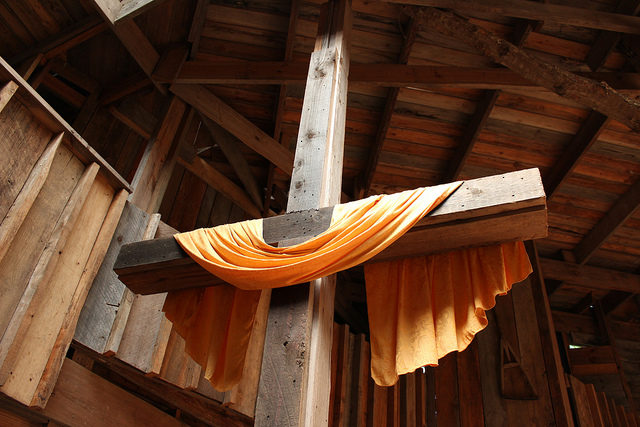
575	150
482	113
385	120
624	207
590	277
390	75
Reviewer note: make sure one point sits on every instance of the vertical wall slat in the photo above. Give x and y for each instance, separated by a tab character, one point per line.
20	208
447	400
51	305
469	388
44	269
63	340
6	93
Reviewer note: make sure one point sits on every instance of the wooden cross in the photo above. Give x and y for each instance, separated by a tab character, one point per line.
295	377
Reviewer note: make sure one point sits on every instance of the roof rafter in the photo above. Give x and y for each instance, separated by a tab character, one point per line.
587	92
54	46
579	145
385	120
607	40
118	11
558	14
482	113
215	109
623	208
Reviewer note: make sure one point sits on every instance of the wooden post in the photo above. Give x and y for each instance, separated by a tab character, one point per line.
295	380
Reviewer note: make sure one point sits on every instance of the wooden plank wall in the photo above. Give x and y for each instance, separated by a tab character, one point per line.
57	216
464	390
595	409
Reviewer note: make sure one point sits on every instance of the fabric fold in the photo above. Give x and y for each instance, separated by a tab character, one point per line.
422	308
416	314
358	231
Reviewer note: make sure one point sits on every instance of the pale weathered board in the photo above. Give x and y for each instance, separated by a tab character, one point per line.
38	339
105	296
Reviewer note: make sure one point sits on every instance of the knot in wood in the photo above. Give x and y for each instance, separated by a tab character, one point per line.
319	73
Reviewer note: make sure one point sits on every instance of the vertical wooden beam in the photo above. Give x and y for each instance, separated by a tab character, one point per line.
63	340
555	373
42	273
295	381
156	166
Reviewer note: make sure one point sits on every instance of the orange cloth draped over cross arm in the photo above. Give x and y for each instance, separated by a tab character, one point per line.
216	322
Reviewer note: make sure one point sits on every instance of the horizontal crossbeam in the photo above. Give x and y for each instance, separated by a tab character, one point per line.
482	211
391	75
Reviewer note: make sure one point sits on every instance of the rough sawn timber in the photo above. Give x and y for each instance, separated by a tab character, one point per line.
482	211
593	94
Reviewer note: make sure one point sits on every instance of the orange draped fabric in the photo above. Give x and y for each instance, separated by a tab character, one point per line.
216	322
358	231
422	308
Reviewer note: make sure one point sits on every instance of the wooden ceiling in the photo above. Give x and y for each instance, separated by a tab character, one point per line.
428	102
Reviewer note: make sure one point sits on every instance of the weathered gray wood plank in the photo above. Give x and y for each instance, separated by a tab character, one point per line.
105	296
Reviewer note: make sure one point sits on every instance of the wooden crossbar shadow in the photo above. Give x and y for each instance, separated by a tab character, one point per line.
480	212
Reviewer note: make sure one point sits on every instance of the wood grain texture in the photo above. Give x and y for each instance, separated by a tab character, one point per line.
382	74
83	398
557	387
16	214
63	340
584	91
215	109
615	218
512	203
50	119
590	277
6	93
44	322
217	180
105	299
158	160
233	153
42	273
202	408
560	14
139	46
